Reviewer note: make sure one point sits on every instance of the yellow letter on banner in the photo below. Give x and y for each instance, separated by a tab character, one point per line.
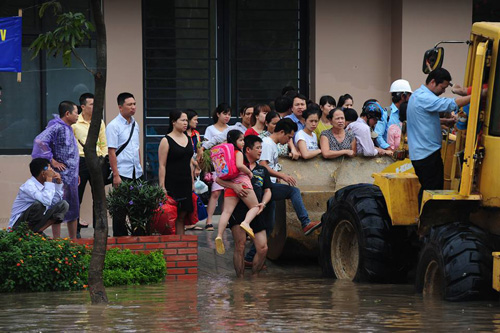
3	34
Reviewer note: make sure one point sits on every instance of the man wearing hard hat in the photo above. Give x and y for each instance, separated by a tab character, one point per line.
401	92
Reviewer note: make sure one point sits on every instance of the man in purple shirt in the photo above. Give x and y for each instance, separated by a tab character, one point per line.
57	144
362	128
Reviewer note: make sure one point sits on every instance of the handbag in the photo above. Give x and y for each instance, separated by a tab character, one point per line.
105	167
202	210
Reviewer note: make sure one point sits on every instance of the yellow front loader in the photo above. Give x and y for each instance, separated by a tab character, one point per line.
377	232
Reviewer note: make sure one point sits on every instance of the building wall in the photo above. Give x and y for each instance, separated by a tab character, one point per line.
352	49
362	46
449	20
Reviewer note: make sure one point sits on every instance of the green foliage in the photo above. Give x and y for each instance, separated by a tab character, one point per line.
206	160
73	29
139	200
31	262
124	267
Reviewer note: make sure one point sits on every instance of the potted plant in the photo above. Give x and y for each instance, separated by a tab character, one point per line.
140	201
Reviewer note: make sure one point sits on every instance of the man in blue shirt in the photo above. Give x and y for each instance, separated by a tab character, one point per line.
424	128
299	106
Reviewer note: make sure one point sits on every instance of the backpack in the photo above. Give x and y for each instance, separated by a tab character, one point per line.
224	161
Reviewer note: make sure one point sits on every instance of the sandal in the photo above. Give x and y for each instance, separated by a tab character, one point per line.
248	230
219	246
194	228
209	227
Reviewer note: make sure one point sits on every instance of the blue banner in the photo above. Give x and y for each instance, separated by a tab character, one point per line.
11	35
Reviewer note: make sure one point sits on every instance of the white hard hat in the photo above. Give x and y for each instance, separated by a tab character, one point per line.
400	86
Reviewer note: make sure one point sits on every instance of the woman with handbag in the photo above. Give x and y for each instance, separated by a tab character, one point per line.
175	161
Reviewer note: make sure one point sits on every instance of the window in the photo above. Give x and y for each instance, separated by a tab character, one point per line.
199	53
27	106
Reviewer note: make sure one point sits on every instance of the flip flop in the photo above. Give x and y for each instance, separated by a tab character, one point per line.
219	246
248	230
83	224
209	227
192	229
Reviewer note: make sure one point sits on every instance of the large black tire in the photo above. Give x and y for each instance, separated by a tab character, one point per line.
356	241
456	263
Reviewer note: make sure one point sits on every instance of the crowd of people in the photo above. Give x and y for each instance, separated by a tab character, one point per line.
291	126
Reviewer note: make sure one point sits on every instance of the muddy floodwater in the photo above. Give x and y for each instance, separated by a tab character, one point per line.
296	302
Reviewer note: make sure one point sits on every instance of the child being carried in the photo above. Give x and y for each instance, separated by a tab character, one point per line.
229	165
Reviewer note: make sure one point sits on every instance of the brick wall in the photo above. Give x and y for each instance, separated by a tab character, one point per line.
180	252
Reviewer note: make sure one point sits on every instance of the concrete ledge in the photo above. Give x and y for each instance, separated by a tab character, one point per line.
317	179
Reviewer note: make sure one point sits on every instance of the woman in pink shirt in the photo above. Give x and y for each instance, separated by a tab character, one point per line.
394	131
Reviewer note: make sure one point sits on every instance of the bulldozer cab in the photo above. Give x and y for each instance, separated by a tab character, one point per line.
471	149
472	157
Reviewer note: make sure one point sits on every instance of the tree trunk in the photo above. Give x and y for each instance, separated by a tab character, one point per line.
96	284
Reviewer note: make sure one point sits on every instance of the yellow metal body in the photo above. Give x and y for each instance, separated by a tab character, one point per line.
471	141
489	181
496	271
447	195
400	192
403	166
486	181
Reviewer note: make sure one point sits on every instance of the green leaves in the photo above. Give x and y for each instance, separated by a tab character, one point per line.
31	262
139	200
122	267
73	29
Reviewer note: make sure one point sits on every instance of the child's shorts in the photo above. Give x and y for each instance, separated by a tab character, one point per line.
229	192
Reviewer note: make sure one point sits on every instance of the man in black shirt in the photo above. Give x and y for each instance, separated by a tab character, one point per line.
261	183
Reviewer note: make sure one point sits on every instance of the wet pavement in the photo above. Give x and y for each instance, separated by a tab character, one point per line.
290	297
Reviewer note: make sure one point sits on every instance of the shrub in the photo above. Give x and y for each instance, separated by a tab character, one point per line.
31	262
124	267
139	200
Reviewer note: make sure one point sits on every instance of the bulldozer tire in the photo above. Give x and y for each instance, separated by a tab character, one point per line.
455	263
355	241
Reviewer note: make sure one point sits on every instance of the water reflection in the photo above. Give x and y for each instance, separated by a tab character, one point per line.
279	302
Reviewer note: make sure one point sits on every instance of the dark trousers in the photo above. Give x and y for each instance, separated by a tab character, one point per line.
430	173
120	218
37	217
84	174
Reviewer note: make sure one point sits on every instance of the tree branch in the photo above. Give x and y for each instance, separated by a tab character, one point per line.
82	61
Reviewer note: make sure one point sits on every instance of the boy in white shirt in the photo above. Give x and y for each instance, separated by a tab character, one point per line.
284	131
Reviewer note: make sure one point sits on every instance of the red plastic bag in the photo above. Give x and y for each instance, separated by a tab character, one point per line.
192	218
164	219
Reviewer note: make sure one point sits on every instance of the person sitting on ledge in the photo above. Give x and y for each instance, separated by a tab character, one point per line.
336	142
40	199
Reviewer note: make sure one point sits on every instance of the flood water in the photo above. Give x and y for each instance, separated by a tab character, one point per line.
273	302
